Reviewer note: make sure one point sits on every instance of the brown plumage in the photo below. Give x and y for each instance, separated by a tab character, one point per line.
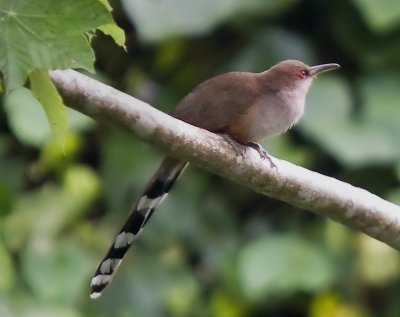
250	106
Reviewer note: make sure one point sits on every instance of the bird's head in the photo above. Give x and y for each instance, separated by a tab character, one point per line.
294	74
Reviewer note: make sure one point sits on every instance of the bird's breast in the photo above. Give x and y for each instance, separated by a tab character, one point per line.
277	115
269	116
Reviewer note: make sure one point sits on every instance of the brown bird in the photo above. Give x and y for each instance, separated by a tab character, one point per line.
244	106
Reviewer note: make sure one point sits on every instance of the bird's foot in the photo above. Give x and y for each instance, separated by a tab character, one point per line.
234	144
263	153
239	149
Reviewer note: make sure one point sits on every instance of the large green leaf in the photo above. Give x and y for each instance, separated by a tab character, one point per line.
56	272
28	121
156	20
283	264
269	47
370	137
26	117
46	34
43	214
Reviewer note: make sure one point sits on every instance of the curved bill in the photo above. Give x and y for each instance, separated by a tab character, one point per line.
314	70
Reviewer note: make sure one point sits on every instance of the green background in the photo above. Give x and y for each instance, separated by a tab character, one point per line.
213	248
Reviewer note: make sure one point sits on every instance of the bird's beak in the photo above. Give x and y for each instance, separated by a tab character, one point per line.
314	70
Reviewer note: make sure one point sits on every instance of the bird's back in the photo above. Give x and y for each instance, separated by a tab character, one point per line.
217	103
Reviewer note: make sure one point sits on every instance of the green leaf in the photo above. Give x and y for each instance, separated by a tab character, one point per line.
327	119
282	264
115	32
45	91
269	47
355	140
156	20
26	117
46	34
44	213
56	272
112	29
382	15
28	121
106	4
52	158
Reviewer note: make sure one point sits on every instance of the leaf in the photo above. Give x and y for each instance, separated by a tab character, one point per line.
46	212
26	117
115	32
156	20
106	4
270	47
56	272
330	122
46	34
45	91
383	15
28	121
282	264
327	120
112	29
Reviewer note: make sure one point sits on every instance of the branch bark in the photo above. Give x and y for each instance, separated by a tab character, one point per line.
349	205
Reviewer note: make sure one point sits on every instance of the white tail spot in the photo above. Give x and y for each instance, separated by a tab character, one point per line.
123	239
147	203
95	295
100	280
109	265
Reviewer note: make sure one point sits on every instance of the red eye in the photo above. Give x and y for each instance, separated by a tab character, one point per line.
303	73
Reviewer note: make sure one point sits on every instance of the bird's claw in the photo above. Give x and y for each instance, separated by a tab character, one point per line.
262	152
235	145
256	146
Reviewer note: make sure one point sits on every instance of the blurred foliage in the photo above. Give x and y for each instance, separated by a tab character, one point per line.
213	248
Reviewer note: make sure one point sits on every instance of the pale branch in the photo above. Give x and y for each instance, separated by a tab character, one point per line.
352	206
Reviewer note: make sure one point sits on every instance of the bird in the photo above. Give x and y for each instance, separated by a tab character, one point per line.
243	106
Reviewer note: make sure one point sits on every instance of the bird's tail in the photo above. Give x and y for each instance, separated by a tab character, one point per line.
156	190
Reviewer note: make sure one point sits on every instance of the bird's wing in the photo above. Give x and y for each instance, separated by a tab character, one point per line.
217	103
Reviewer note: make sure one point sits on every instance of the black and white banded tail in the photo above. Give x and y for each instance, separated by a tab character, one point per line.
156	190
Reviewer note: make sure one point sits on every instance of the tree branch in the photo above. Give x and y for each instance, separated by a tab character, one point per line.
295	185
